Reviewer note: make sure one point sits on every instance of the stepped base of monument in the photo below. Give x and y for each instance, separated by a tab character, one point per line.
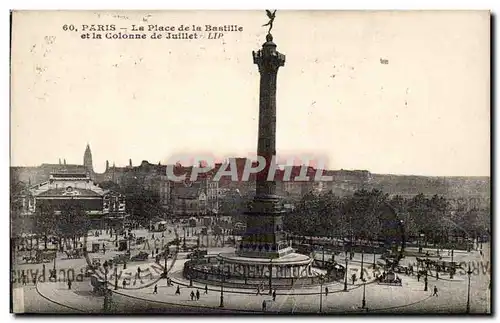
233	270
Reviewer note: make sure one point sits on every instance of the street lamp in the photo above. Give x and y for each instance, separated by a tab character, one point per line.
374	249
54	270
363	302
469	272
105	286
184	241
321	280
345	273
105	274
222	284
271	278
362	258
116	277
165	253
425	280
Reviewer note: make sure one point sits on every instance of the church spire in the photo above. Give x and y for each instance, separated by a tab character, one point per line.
87	159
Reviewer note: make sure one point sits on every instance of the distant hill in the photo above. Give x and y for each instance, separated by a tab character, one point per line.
447	186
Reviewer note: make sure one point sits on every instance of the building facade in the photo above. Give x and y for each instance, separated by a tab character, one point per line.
61	189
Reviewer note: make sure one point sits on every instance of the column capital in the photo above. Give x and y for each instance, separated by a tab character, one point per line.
267	58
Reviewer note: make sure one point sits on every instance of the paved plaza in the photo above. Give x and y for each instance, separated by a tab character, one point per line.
139	296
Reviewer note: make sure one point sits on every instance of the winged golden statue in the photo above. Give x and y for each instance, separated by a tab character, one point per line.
271	16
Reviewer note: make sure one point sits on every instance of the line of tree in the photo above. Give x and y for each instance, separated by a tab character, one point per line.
357	216
69	224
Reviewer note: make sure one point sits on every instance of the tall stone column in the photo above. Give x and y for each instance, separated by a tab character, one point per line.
268	60
264	217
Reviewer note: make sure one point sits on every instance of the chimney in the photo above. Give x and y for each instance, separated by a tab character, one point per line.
107	165
130	162
64	161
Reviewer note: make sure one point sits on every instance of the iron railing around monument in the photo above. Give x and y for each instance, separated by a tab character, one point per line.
193	270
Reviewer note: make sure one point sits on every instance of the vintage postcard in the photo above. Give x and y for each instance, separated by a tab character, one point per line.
250	162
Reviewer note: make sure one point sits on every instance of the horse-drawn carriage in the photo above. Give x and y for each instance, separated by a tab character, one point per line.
40	256
74	254
197	253
141	256
389	278
121	258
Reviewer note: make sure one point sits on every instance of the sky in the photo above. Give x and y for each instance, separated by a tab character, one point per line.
425	112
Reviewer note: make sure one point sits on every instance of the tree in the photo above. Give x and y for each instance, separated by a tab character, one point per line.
19	224
143	204
44	221
362	208
418	209
72	221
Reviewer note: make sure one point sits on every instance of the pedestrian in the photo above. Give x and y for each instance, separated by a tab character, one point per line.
103	248
274	295
155	291
435	291
34	280
206	289
192	295
258	290
153	236
24	279
124	283
197	294
69	284
418	277
139	272
326	291
157	250
264	305
178	291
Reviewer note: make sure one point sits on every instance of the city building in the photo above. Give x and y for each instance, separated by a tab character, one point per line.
199	197
189	200
101	206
